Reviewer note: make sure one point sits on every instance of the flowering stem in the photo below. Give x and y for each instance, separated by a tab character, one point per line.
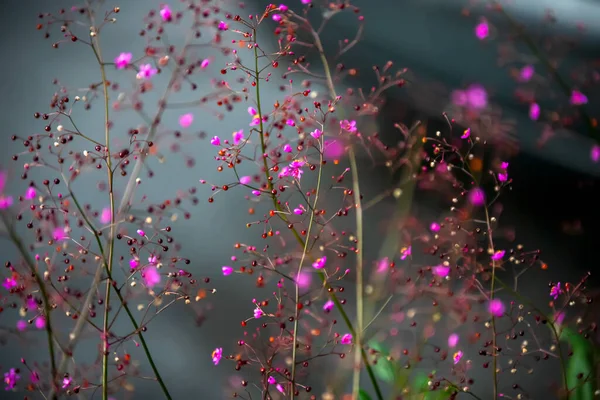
14	237
565	87
492	293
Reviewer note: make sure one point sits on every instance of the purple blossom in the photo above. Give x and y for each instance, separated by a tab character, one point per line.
227	270
123	60
316	133
349	126
482	30
498	255
216	355
215	141
238	137
166	13
328	306
406	252
186	120
476	197
527	73
496	307
556	291
151	276
534	111
320	262
10	283
146	71
346	339
578	98
258	313
10	379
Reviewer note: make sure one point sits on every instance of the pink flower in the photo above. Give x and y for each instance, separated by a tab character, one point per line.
441	271
10	283
498	255
578	98
152	260
556	291
59	234
279	387
244	180
290	122
222	26
205	63
165	13
146	71
256	118
186	120
434	227
276	17
477	197
10	379
300	210
466	134
271	380
476	97
67	380
320	262
34	377
306	1
304	279
227	270
141	232
534	111
346	339
30	193
216	355
258	313
595	153
105	215
453	340
294	170
283	8
527	73
496	307
21	325
133	263
406	252
238	137
256	193
457	357
215	141
151	276
482	30
123	60
40	322
287	148
349	126
328	306
316	133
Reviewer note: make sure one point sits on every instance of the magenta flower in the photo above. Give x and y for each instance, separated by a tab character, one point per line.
556	291
227	270
67	380
279	387
482	30
134	263
271	380
595	153
406	252
304	280
256	193
320	262
527	73
453	340
10	283
457	357
255	116
217	354
141	232
146	71
306	1
205	63
328	306
466	134
123	60
346	339
498	255
316	133
10	379
186	120
21	325
300	210
105	215
40	322
238	137
477	197
30	193
244	180
496	307
258	313
283	8
287	148
441	271
578	98
34	377
349	126
215	141
276	17
151	276
166	13
222	26
294	170
59	234
476	97
534	111
5	201
434	227
290	122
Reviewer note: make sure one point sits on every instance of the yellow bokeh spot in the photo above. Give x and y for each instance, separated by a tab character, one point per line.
476	164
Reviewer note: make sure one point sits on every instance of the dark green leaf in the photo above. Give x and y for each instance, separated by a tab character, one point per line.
362	395
385	370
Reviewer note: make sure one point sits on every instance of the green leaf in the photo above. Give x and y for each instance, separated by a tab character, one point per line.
385	370
580	363
362	395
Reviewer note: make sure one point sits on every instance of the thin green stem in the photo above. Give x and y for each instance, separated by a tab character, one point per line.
492	294
46	300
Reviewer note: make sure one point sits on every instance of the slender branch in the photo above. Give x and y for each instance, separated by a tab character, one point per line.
40	281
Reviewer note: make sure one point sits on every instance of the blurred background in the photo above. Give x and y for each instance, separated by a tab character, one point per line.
551	206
